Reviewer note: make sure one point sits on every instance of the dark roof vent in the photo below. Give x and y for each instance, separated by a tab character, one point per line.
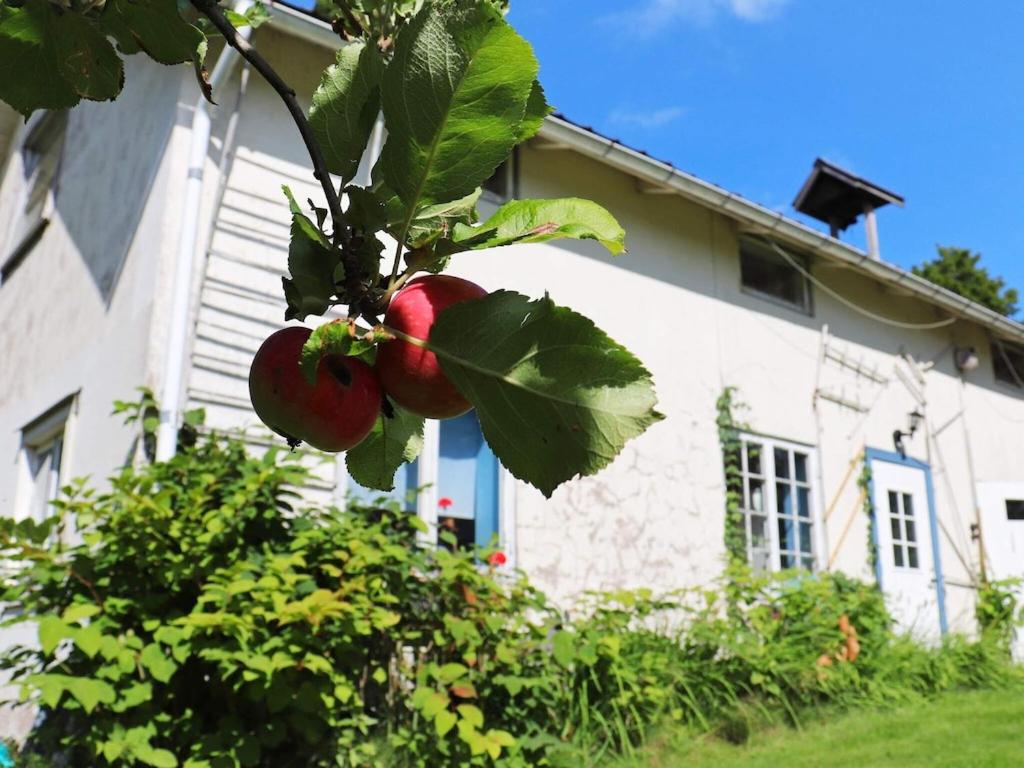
838	198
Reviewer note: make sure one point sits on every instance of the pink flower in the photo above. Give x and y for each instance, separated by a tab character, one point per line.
444	502
498	558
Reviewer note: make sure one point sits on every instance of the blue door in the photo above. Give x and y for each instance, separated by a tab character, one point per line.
467	482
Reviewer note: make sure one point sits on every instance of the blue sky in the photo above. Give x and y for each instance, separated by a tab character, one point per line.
924	97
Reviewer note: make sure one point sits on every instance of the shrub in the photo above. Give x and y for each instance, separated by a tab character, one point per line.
197	615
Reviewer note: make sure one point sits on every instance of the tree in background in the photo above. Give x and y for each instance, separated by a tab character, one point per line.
959	270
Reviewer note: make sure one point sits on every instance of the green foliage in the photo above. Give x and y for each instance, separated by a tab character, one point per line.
864	484
394	440
959	270
204	619
998	610
729	438
571	397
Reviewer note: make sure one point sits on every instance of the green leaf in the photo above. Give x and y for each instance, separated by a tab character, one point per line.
451	672
345	106
31	72
153	26
311	263
90	693
157	663
51	631
433	221
158	758
80	611
338	337
537	221
444	722
87	60
563	648
471	715
537	109
454	97
556	397
392	442
88	640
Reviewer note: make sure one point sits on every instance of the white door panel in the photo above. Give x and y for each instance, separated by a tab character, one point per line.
905	547
1003	531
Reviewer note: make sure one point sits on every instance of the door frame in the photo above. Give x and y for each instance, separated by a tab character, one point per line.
872	455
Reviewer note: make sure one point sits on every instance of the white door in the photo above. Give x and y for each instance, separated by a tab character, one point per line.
905	548
1002	527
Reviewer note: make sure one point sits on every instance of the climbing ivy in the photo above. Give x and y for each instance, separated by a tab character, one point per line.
735	536
864	483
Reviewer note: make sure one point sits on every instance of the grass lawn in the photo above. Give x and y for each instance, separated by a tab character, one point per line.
964	730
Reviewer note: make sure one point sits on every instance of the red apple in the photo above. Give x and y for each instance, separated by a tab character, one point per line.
333	415
411	375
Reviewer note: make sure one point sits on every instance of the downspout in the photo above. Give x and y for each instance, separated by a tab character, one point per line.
191	204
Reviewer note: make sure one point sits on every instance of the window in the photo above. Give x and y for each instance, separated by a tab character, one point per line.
42	458
777	504
766	274
1015	509
904	531
467	482
1008	363
40	158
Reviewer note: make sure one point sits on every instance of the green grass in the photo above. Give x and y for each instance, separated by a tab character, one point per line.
981	729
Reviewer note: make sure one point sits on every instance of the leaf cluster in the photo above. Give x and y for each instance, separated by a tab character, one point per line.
959	270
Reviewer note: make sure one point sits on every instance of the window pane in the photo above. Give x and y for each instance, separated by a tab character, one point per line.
467	478
787	535
897	555
500	183
756	499
912	556
1008	363
807	562
786	561
908	505
911	532
894	525
754	459
803	502
1015	509
894	504
781	462
764	271
805	537
758	531
800	462
760	560
783	499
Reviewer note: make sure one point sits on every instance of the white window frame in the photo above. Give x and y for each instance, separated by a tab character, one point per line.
50	429
902	541
427	499
16	247
770	478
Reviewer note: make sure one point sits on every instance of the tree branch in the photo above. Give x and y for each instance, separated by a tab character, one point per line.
215	14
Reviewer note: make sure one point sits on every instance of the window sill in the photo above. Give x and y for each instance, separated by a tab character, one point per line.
807	311
22	249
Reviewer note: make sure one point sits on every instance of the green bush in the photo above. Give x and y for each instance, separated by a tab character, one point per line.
206	618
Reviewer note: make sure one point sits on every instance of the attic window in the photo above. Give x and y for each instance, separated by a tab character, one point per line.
766	274
1008	363
1015	509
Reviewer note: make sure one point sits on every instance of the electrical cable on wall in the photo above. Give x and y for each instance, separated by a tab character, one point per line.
856	307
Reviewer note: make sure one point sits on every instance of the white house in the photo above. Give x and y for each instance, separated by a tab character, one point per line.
829	349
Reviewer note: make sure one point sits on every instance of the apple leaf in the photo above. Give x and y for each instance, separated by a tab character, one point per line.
311	263
346	105
51	631
556	397
393	442
454	97
338	337
537	109
537	221
90	693
155	27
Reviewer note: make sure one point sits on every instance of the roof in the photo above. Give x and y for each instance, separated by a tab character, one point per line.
662	175
837	197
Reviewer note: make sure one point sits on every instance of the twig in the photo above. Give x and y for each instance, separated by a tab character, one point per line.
215	14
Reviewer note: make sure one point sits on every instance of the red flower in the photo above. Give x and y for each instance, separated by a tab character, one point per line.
498	558
444	502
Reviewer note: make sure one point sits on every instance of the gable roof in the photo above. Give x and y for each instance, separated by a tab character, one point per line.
662	176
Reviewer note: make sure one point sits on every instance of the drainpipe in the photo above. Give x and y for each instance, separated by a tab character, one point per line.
191	204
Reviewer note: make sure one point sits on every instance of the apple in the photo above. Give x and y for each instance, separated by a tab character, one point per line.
411	375
334	414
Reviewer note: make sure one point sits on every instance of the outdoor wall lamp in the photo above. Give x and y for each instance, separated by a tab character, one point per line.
915	417
966	359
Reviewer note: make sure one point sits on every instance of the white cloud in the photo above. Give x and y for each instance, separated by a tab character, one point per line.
653	15
647	120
